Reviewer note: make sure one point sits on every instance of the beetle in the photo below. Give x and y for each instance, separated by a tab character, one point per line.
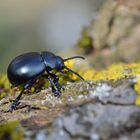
25	69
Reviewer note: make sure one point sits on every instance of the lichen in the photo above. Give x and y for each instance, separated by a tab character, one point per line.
137	86
113	73
4	85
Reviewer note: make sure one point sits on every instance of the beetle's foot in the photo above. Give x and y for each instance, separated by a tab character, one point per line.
14	105
57	94
59	87
63	88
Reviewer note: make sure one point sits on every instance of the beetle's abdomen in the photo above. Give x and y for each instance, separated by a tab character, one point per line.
25	67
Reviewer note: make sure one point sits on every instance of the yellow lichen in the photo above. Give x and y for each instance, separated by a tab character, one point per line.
4	83
89	74
137	101
70	63
112	73
137	86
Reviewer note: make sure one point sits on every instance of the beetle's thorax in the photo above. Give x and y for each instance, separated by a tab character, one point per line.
51	61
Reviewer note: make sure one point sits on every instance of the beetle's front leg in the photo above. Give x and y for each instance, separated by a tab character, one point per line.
54	85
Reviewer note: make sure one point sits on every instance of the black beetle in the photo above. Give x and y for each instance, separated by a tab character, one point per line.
26	68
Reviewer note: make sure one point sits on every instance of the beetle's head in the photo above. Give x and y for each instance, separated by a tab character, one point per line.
59	65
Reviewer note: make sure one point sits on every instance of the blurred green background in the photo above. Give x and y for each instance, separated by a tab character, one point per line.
37	25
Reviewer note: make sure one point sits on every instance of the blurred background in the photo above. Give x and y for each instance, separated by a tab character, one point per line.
37	25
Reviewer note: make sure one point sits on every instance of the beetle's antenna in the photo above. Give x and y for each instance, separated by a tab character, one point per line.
75	73
81	57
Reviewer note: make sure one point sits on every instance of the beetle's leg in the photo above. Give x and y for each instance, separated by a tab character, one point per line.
48	76
53	86
16	102
57	84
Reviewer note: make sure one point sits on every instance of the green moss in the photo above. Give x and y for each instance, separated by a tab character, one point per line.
11	131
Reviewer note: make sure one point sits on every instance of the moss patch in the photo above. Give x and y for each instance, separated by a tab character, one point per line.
11	131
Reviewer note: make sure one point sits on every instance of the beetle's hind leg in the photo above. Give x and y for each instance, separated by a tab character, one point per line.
16	102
